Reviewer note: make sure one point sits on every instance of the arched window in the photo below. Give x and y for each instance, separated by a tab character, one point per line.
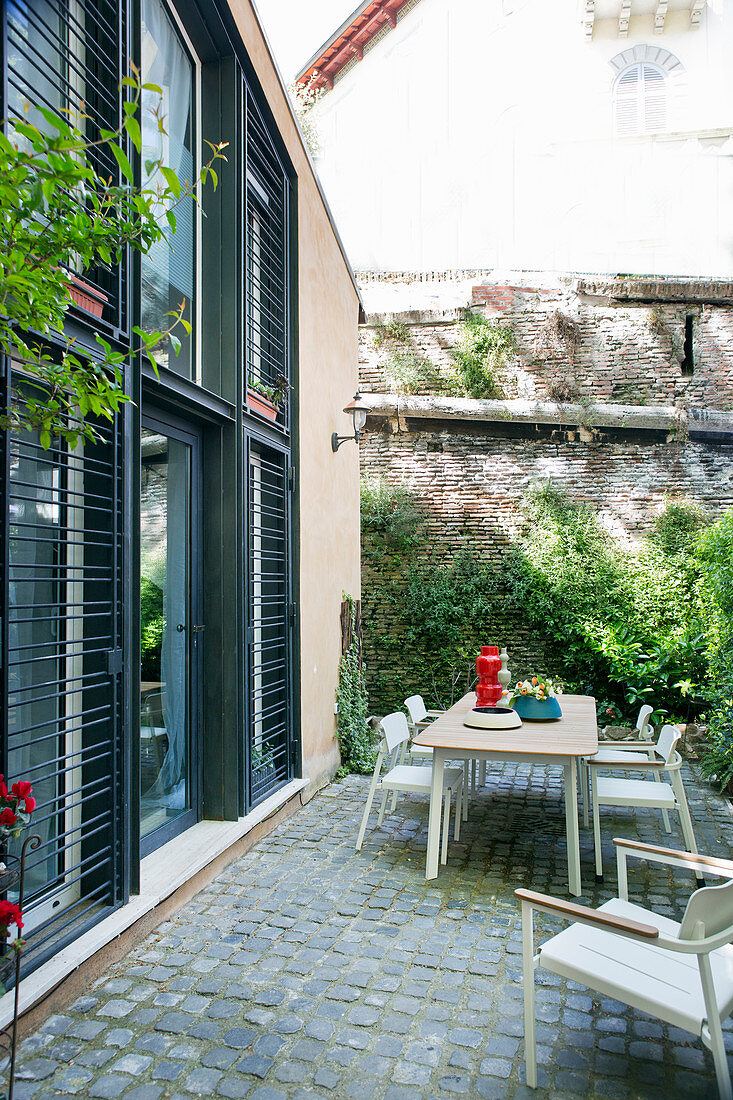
640	99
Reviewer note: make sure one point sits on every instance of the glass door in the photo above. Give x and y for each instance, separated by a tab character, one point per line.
170	630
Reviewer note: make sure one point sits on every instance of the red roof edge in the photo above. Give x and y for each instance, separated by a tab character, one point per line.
349	41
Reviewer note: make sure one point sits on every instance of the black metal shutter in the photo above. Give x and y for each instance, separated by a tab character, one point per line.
63	712
270	739
267	191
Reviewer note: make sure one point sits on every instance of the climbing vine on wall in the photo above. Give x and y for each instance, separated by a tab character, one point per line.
354	735
482	351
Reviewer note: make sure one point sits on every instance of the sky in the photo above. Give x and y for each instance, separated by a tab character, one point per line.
296	28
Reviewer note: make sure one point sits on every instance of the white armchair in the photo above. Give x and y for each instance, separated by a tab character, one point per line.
639	748
663	760
403	778
681	973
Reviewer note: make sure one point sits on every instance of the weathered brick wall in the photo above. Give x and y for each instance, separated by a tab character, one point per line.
628	351
471	475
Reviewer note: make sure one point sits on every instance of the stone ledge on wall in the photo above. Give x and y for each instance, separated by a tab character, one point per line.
630	417
657	290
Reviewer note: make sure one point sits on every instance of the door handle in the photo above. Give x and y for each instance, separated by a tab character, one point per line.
198	629
180	628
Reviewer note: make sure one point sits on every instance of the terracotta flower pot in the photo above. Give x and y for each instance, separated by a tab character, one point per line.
87	297
260	404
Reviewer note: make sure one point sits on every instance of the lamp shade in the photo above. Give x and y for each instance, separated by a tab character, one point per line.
358	409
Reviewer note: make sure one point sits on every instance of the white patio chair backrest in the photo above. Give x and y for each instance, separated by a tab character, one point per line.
711	906
644	727
665	746
416	708
395	730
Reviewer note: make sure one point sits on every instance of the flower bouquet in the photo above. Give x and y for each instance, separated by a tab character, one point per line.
536	698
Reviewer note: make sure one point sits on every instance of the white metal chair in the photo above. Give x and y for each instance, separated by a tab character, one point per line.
409	777
680	973
640	749
612	791
419	718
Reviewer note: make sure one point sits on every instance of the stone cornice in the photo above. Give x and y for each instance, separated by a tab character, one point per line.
657	290
665	418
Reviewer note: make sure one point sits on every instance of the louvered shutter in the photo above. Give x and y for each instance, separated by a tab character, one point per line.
640	100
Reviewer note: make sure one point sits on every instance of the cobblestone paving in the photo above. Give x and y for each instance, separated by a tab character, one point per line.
306	969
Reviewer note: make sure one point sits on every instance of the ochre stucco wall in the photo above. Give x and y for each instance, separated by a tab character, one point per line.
328	485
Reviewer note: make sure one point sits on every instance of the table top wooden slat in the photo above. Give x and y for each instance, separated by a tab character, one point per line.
575	734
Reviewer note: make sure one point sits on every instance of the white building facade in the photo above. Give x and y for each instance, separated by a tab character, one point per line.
554	135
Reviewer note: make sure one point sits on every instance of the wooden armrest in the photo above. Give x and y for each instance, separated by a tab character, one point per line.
627	765
574	911
627	744
723	867
435	713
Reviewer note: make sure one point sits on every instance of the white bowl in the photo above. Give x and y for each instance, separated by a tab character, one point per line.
492	718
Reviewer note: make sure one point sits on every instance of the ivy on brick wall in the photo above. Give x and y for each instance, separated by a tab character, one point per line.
482	350
354	735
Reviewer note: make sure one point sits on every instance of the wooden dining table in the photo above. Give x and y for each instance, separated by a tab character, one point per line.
557	742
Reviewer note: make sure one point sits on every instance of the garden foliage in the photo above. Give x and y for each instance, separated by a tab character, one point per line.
354	735
652	622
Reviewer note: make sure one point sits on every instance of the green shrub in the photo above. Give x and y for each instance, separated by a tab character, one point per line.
358	753
482	350
152	624
622	624
391	513
407	371
715	554
618	621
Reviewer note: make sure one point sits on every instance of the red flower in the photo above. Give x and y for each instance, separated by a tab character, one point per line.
10	914
21	789
8	817
30	805
3	788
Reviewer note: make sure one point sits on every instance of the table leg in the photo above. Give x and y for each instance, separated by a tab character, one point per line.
436	804
571	826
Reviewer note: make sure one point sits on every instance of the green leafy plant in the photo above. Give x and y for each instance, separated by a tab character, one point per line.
276	394
59	214
715	553
623	624
152	625
358	753
482	350
391	514
391	332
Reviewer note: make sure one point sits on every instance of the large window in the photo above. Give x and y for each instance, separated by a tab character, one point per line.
168	269
640	99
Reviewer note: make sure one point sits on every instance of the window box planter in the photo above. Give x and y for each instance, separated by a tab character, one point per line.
258	403
86	296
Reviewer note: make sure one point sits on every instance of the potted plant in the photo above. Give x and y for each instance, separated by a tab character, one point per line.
535	699
265	399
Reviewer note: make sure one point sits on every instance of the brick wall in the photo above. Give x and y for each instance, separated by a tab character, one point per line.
471	476
628	350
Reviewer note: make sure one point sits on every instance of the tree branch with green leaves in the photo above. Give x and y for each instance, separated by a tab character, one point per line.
60	215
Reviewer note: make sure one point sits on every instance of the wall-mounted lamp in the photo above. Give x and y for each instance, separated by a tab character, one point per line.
357	410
